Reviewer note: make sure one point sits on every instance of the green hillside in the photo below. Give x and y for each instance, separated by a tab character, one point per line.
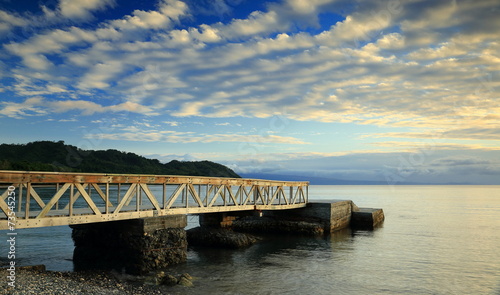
58	156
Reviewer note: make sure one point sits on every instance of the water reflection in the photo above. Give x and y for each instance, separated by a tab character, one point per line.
435	240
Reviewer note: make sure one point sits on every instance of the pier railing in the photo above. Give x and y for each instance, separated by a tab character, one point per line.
38	199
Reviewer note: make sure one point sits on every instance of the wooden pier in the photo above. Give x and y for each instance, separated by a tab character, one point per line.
40	199
136	222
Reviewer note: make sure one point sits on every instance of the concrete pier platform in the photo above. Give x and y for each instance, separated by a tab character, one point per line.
367	218
142	245
337	214
318	217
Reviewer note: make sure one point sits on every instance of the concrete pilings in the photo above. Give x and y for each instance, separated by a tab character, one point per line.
136	246
367	218
319	217
139	246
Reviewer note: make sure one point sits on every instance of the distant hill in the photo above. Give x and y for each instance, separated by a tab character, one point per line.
58	156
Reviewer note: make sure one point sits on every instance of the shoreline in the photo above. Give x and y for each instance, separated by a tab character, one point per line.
34	281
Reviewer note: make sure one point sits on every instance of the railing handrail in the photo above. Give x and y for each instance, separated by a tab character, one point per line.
9	177
108	197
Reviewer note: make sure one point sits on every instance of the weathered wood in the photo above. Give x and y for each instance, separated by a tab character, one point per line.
54	200
101	193
195	195
125	199
175	195
217	193
35	196
220	195
150	196
87	198
65	177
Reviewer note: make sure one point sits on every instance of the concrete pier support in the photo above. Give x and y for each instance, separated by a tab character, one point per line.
332	214
223	219
318	217
367	218
137	246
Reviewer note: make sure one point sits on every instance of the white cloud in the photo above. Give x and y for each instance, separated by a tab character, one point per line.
365	69
435	16
100	74
306	6
82	9
172	123
391	41
188	137
30	107
9	20
36	106
444	51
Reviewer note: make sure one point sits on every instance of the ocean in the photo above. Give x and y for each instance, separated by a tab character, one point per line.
435	240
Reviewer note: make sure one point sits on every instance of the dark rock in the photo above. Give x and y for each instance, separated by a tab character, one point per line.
217	237
156	279
270	225
132	245
38	268
170	280
183	281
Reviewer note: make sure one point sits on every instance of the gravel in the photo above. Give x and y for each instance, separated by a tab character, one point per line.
30	281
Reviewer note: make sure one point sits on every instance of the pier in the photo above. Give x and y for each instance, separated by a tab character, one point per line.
138	220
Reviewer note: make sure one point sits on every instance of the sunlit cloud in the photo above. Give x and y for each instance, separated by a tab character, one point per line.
401	72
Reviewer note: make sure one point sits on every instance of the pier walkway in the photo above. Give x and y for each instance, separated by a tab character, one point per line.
40	199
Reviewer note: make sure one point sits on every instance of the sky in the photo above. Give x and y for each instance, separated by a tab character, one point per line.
394	91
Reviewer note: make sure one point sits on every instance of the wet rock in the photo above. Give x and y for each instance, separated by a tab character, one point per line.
156	279
183	281
126	245
170	280
217	237
38	268
270	225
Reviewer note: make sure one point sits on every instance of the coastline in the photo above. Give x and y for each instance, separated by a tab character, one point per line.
32	281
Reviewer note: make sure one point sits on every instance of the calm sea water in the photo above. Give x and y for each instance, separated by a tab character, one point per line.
435	240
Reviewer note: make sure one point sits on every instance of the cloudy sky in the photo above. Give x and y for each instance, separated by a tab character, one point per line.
392	90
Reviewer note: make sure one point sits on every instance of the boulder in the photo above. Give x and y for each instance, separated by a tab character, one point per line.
218	237
170	280
183	281
271	225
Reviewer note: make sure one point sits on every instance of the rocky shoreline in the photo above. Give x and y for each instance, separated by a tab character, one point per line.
35	280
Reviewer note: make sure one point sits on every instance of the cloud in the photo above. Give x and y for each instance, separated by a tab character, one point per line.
100	74
458	166
168	11
172	123
464	133
459	161
420	64
37	106
30	107
82	9
8	21
432	145
188	137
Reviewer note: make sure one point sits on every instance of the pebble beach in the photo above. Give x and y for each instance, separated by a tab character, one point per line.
29	281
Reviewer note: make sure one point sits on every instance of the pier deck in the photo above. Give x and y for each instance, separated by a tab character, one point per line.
39	199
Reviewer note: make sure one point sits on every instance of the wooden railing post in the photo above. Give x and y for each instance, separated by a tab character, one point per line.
187	197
